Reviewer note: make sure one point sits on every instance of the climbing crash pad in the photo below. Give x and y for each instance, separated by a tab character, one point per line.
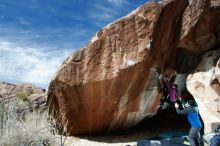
177	141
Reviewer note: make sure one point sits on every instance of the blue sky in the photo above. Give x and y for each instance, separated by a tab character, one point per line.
37	35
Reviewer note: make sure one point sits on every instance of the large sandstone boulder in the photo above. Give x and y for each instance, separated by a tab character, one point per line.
200	26
205	87
200	33
112	83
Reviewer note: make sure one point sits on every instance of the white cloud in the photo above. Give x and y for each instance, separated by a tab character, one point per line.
102	13
23	21
32	65
118	2
2	5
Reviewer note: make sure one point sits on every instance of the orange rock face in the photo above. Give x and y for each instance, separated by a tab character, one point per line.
104	86
112	83
200	26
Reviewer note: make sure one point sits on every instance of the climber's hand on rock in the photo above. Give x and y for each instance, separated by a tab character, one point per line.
176	105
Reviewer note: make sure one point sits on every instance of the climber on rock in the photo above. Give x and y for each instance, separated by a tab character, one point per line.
191	110
169	89
172	92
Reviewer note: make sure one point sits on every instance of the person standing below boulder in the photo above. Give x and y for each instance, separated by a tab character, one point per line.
191	110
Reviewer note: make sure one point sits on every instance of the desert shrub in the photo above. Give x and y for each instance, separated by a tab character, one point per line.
22	96
34	130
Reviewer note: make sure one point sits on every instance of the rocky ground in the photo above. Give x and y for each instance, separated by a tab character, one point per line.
23	98
23	115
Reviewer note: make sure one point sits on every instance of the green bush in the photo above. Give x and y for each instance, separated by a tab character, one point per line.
22	96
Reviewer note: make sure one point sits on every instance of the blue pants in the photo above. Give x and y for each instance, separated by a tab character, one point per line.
215	141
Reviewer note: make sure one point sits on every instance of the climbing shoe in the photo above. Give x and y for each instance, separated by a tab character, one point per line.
186	140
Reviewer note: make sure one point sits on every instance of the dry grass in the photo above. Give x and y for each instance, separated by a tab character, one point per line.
31	130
